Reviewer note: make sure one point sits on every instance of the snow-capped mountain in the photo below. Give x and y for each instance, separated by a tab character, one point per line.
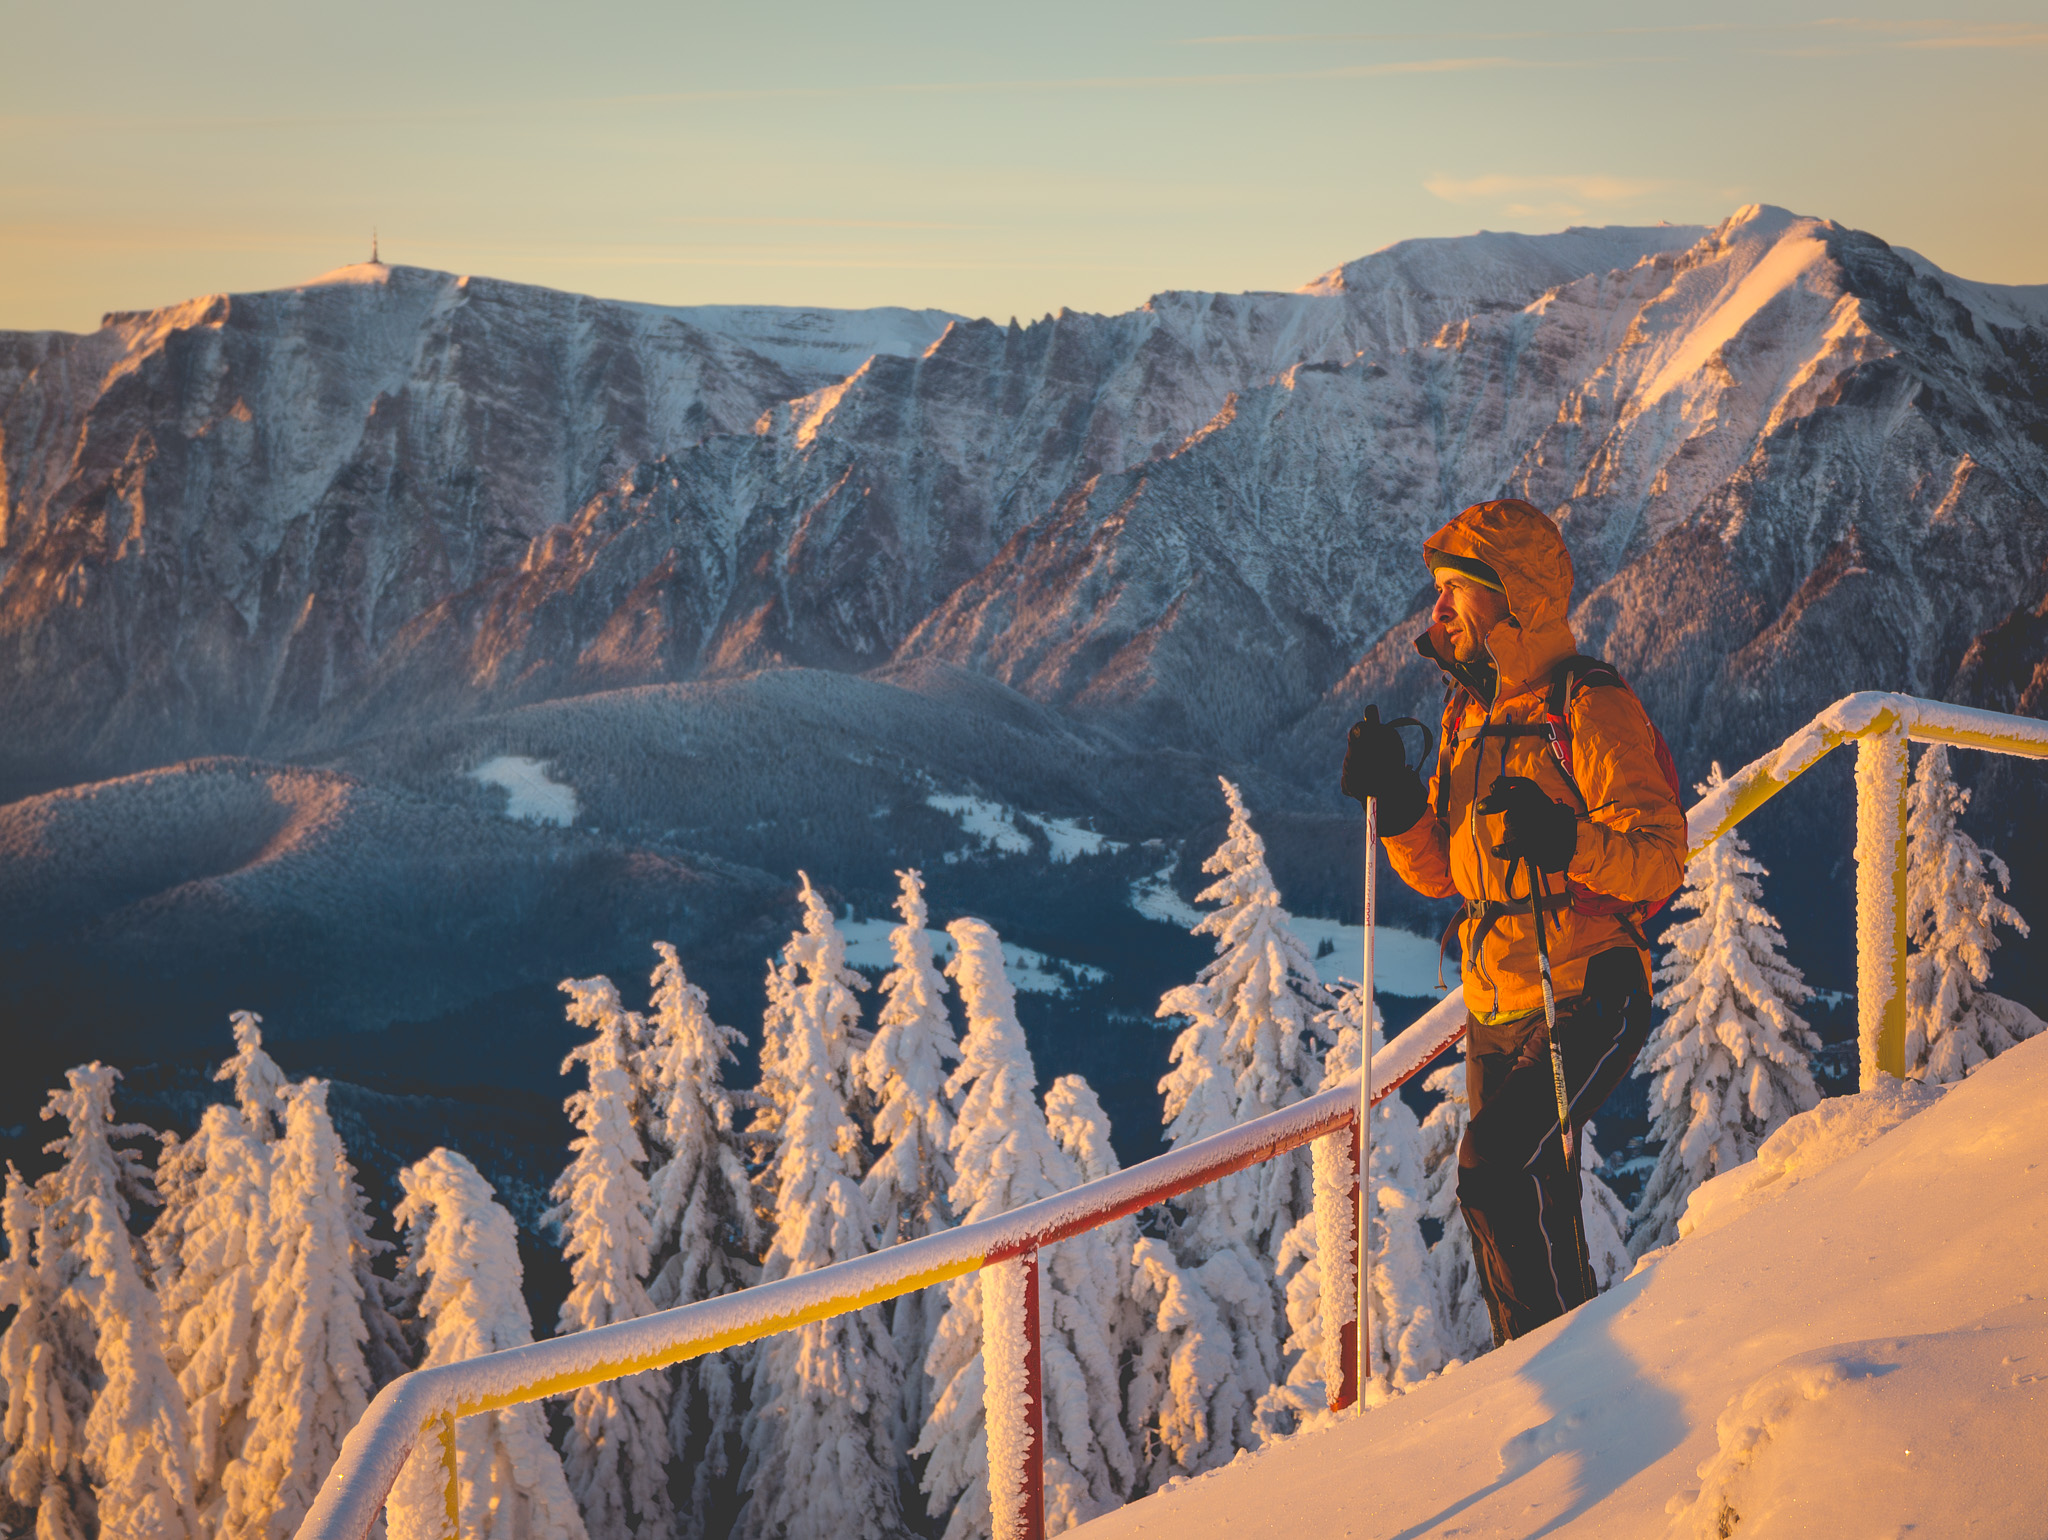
396	523
221	517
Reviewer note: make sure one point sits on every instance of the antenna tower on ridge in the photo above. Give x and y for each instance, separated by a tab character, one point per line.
374	258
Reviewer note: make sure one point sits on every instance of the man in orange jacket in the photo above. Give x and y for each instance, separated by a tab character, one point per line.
1572	824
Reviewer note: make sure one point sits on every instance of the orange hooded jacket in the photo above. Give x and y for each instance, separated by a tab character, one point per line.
1631	844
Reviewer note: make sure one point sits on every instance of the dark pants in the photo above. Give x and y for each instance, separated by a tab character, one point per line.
1521	1200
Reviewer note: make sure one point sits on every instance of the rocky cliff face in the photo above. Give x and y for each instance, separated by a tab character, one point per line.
1790	461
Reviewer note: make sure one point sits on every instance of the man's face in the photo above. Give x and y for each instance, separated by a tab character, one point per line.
1468	612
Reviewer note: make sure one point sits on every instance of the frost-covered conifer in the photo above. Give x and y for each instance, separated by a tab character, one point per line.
212	1248
1465	1323
1004	1156
904	1070
1729	1064
1248	1049
1605	1217
137	1440
705	1236
810	982
1264	998
258	1082
464	1252
1407	1341
312	1382
1953	1023
821	1433
46	1374
616	1452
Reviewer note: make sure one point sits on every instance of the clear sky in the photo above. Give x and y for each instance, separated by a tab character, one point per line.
995	160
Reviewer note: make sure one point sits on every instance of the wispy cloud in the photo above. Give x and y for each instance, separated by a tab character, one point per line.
1534	195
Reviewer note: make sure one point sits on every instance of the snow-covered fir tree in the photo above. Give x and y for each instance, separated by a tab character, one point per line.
312	1382
821	1435
212	1248
1004	1156
1248	1049
259	1083
1465	1323
616	1452
137	1439
1605	1216
1730	1062
464	1254
1953	1023
1407	1341
904	1071
810	982
46	1375
705	1237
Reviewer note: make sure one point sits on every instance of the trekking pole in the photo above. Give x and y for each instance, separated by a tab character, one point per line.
1364	1312
1538	894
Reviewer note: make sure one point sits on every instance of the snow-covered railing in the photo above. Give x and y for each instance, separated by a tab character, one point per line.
1881	725
427	1401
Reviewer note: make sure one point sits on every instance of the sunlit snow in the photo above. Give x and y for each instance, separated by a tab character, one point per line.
1403	963
1851	1343
867	948
529	794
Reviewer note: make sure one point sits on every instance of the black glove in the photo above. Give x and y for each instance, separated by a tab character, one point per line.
1538	830
1376	765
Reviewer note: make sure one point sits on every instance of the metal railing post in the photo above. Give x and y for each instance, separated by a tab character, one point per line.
1881	900
453	1486
1349	1378
1033	1527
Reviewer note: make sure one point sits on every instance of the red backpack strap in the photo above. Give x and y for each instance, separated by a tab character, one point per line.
1566	680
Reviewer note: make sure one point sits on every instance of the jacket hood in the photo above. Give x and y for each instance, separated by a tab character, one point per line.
1520	544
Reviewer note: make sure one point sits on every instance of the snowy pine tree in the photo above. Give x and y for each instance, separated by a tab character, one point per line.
1465	1323
1407	1342
137	1440
904	1070
1605	1215
1248	1049
1953	1023
616	1452
810	983
46	1374
1729	1062
705	1236
312	1381
259	1084
1004	1156
464	1253
821	1434
212	1248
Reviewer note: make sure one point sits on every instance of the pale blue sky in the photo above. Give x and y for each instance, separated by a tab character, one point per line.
991	160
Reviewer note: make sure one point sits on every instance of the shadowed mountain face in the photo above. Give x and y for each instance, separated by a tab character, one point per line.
759	586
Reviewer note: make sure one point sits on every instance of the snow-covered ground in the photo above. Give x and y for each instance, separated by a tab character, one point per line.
1854	1343
994	826
867	948
1403	962
529	793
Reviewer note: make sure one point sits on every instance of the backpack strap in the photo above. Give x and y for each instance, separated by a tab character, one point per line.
1454	707
1566	680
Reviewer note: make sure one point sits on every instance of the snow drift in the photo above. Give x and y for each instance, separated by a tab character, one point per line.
1855	1345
